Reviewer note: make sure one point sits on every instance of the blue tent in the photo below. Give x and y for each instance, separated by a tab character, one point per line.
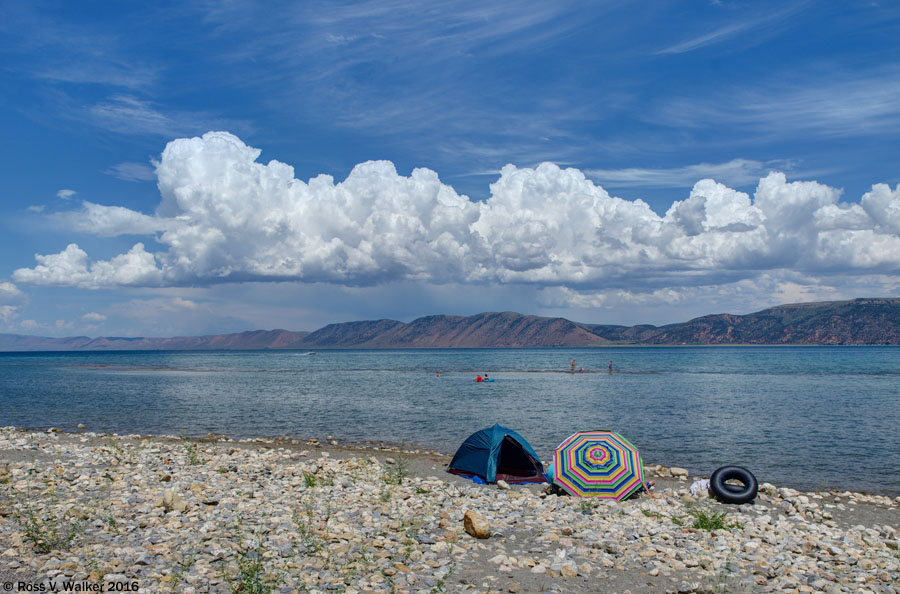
497	453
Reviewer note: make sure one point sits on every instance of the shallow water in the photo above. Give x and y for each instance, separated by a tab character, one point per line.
810	417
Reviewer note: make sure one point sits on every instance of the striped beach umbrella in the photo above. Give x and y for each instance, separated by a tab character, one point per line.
598	464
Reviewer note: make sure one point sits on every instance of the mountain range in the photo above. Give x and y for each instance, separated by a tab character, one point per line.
854	322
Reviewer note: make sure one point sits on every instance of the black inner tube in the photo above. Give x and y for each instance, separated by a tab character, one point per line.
730	493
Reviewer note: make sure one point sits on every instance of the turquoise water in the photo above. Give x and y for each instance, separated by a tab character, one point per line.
810	417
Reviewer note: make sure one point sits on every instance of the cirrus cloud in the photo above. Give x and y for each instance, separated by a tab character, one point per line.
226	217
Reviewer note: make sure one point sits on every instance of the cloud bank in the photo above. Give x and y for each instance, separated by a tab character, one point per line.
225	217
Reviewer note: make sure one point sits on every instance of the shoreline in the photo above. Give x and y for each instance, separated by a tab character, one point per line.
589	347
410	448
188	515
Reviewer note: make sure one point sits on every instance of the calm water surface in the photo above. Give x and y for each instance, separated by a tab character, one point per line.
812	417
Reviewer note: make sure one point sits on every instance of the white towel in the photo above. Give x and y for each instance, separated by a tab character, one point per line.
700	487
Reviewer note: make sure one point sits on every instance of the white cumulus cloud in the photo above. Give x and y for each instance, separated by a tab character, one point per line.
70	267
226	217
93	317
9	291
109	221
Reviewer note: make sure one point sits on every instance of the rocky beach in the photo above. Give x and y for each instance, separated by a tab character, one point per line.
168	514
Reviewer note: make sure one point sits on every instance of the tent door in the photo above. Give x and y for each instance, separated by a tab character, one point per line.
514	462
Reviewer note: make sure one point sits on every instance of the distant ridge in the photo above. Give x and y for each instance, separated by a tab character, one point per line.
251	340
855	322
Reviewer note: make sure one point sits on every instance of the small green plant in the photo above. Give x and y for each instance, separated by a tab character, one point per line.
710	520
397	471
389	581
442	581
411	532
725	577
178	574
304	520
309	479
652	514
121	454
586	506
252	577
192	456
93	566
49	532
113	443
110	520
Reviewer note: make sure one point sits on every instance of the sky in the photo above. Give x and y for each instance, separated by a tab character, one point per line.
175	168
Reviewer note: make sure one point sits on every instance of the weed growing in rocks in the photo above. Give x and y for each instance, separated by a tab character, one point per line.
303	520
710	520
95	570
110	520
441	584
121	454
48	532
314	540
398	470
411	532
184	565
726	578
252	577
193	458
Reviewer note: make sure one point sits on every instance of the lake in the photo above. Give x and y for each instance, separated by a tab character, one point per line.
808	417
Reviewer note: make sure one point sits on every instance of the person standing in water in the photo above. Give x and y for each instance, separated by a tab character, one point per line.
573	365
610	366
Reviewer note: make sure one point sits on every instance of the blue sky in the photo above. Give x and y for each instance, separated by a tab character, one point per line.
186	168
